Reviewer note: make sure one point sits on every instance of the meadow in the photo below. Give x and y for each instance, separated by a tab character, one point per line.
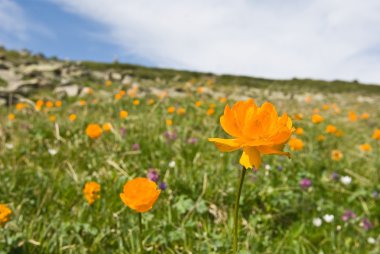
324	199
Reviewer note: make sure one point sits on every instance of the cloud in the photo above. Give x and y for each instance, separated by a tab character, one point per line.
329	39
12	22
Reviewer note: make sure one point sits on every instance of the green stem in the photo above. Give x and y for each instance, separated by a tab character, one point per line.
236	213
140	234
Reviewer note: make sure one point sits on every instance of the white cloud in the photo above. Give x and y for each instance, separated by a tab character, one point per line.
12	22
329	39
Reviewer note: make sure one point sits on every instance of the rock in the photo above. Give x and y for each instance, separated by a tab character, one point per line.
28	70
116	76
69	90
127	80
5	65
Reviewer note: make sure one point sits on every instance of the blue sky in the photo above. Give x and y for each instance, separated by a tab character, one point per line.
324	39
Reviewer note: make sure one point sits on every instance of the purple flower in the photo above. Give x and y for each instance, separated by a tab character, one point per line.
366	224
375	194
279	168
192	140
153	175
162	186
348	214
170	135
305	183
123	131
135	147
335	176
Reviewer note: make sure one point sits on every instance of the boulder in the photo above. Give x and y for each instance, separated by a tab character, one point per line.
68	90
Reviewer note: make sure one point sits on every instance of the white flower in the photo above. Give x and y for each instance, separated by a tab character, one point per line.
9	146
317	222
346	180
52	151
172	164
267	167
371	240
328	218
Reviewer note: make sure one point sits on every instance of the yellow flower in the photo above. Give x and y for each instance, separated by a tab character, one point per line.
108	83
39	105
5	214
136	102
325	107
52	118
299	131
58	104
140	194
91	192
94	131
212	105
123	114
352	117
198	103
107	127
321	138
181	111
11	117
331	129
72	117
150	102
256	130
210	111
169	122
376	134
82	102
316	118
336	155
295	144
365	147
223	100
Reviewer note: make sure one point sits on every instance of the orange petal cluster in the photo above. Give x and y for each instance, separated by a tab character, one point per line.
94	131
91	192
255	130
140	194
5	214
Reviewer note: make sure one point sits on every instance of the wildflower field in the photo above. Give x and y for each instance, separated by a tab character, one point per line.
65	162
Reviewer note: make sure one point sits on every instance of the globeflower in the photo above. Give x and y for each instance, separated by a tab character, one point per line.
140	194
299	131
376	134
91	192
5	214
352	117
336	155
107	127
331	129
255	130
295	144
123	114
210	111
365	147
11	117
72	117
316	118
171	110
93	131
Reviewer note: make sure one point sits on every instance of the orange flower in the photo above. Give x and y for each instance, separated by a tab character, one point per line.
364	116
339	133
93	131
365	147
299	131
136	102
321	138
171	110
107	127
376	134
123	114
118	96
140	194
256	130
200	90
325	107
295	144
58	104
331	129
49	104
5	214
223	100
316	118
82	102
181	111
336	155
122	92
298	116
212	105
352	117
169	122
91	192
39	105
72	117
198	103
20	106
308	99
11	117
210	111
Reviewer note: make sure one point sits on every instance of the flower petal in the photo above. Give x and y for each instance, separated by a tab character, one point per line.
250	157
225	145
271	150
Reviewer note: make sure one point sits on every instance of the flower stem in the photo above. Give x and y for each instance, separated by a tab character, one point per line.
140	234
236	213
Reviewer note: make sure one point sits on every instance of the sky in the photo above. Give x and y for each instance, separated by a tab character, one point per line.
319	39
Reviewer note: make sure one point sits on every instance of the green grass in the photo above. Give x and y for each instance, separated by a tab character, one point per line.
194	214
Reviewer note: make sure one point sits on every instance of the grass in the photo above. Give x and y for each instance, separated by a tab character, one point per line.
194	213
